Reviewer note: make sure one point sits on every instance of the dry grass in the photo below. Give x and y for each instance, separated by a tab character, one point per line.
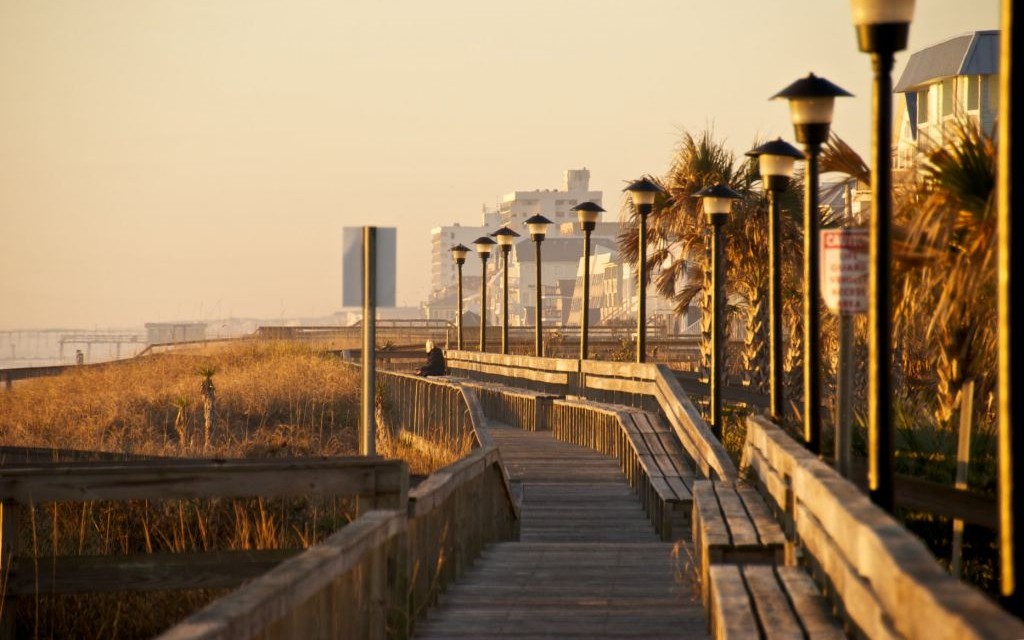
272	399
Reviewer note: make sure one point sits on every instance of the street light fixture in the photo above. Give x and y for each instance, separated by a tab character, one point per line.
588	214
775	160
882	30
459	253
483	248
505	238
811	101
538	226
643	192
717	201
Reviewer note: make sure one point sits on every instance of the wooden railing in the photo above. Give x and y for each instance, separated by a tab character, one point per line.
375	483
882	579
653	387
431	408
372	578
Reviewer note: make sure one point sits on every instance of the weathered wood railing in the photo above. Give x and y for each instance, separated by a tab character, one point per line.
881	578
431	408
372	578
653	387
375	483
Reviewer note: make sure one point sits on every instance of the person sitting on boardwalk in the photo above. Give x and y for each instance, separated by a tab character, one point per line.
436	366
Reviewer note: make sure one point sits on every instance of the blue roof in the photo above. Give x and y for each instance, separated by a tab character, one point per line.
969	54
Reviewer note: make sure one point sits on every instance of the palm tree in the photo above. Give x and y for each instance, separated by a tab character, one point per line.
678	235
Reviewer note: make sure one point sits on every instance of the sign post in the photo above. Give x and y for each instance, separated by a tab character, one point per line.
369	278
844	283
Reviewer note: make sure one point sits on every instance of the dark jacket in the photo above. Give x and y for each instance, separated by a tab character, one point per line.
436	365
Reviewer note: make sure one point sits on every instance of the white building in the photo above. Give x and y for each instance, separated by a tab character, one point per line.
513	210
952	79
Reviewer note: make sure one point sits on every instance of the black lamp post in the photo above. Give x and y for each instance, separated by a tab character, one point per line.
811	100
775	160
459	253
717	201
483	248
643	193
588	213
882	30
538	226
505	238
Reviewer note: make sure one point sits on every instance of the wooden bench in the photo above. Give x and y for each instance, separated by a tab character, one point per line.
660	471
732	525
757	601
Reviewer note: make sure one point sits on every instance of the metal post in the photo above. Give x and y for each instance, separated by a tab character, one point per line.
880	431
717	337
844	384
641	270
483	304
504	299
1011	358
458	319
812	308
367	424
585	303
539	349
775	304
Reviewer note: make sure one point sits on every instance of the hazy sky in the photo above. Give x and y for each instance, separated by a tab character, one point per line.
186	159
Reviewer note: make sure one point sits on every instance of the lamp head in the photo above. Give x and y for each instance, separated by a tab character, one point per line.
484	245
643	192
775	160
882	25
538	226
811	102
717	201
588	213
505	238
459	253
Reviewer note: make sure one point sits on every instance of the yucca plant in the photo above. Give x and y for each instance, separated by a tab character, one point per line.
209	392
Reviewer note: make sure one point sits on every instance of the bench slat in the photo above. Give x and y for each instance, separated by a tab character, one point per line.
768	529
810	605
773	609
732	617
741	529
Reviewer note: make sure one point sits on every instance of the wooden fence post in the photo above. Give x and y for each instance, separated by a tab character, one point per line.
963	457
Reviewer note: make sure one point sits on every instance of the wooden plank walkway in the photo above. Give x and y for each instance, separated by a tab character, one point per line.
588	563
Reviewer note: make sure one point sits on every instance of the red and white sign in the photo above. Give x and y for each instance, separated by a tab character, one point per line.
844	270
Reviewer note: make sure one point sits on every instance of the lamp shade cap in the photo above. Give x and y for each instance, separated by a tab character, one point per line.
588	206
538	226
777	147
812	86
720	190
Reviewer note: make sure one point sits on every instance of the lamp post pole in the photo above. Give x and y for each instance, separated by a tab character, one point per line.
505	238
459	254
538	226
811	101
643	193
483	248
882	30
588	214
775	160
1011	357
717	202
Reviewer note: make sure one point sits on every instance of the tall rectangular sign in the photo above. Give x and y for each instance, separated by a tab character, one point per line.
352	266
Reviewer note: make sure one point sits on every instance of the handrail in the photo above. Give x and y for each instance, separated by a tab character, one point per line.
373	577
885	581
430	406
651	386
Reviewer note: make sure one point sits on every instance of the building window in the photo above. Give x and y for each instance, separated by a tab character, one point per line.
973	92
922	106
947	97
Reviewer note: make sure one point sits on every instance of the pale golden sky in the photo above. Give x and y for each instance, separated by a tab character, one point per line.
192	159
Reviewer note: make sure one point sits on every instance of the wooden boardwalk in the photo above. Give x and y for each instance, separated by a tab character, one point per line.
588	563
